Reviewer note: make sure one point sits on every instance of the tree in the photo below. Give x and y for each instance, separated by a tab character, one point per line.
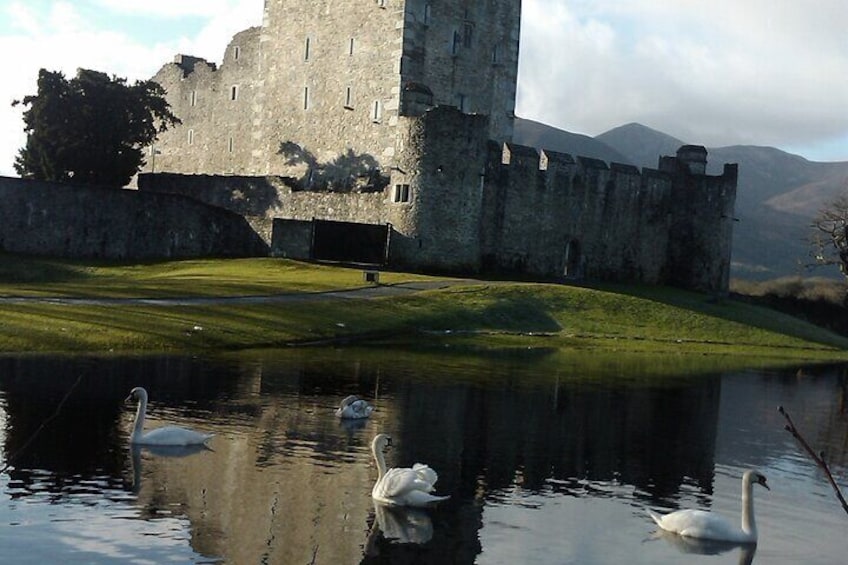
91	129
830	240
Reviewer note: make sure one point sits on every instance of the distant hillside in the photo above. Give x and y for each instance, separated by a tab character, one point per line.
778	193
641	145
541	136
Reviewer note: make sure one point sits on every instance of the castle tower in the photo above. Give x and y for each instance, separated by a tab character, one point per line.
694	157
326	81
701	229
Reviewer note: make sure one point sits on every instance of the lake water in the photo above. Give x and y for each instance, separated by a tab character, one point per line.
544	463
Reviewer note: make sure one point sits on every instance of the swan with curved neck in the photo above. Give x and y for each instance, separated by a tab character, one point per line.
402	486
354	408
166	435
706	525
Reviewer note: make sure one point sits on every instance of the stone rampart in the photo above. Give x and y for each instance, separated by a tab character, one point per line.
540	207
43	218
269	197
457	202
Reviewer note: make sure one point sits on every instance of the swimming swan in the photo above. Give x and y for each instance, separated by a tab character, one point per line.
706	525
402	486
166	435
354	408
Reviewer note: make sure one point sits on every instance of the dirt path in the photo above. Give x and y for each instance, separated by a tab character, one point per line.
364	292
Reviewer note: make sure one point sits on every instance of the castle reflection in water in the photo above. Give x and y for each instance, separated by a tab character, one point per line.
287	482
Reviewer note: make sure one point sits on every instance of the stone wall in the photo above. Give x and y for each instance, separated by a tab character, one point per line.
218	109
542	206
292	239
42	218
269	197
330	78
466	55
443	163
459	202
702	220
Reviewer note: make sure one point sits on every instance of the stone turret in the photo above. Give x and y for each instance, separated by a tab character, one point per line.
694	157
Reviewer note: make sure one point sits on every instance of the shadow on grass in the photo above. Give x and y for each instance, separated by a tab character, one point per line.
734	309
16	269
520	313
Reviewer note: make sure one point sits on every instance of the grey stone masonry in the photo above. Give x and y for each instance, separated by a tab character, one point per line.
400	113
332	78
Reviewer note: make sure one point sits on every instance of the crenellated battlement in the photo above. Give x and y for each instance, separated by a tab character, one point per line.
421	96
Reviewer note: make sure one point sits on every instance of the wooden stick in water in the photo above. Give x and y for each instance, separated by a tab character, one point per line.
818	458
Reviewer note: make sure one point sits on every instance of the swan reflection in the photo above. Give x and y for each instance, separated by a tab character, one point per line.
698	546
171	451
352	425
398	524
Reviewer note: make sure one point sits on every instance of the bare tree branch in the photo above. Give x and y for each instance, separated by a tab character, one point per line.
818	458
829	240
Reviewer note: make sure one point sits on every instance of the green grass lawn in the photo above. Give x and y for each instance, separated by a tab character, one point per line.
31	276
477	315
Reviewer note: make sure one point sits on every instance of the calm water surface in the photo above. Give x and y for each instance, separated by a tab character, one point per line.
542	465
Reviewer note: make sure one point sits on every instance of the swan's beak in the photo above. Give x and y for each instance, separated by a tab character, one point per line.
129	398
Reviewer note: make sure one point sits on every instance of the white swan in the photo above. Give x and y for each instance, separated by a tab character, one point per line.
354	408
166	435
706	525
402	486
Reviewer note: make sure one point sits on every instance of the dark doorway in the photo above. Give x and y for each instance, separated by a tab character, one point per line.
349	242
573	261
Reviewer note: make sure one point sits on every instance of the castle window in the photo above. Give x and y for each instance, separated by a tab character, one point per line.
462	102
401	193
306	50
381	3
193	98
350	47
305	97
376	112
236	52
496	54
348	98
234	92
191	137
427	14
456	43
467	34
230	145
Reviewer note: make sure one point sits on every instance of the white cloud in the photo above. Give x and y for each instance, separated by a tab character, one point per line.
758	71
729	72
59	37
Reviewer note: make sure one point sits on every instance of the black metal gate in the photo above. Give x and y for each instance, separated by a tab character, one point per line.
349	242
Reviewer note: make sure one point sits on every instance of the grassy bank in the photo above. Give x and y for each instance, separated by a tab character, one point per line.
468	315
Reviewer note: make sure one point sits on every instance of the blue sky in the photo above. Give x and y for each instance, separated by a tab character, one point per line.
724	72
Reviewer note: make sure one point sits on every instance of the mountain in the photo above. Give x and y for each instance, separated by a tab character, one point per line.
778	193
539	135
641	144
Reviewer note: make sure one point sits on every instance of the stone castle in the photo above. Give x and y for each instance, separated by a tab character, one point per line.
380	131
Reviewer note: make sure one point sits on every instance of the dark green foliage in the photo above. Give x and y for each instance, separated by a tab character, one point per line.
90	129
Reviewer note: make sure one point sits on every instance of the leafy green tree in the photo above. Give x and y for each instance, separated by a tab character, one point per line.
91	129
